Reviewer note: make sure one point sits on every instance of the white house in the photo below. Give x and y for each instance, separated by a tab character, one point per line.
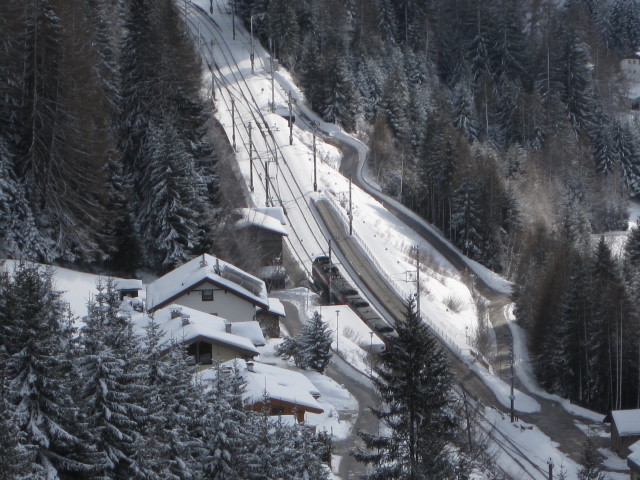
207	338
630	68
210	285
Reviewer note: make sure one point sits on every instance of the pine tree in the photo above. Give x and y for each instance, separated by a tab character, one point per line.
340	102
175	407
110	397
464	117
36	335
590	464
315	339
226	428
311	348
168	215
466	218
415	407
19	237
632	247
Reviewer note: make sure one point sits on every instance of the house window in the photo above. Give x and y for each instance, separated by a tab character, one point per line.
277	411
207	295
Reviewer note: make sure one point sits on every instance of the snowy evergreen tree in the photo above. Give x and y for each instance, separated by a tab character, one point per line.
168	215
590	463
632	247
226	428
315	342
19	237
340	102
36	334
311	348
466	218
416	407
175	407
464	118
627	152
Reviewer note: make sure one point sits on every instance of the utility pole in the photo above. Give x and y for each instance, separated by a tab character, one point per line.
551	465
290	120
266	182
250	158
350	210
233	17
213	85
273	98
418	281
337	331
512	397
315	177
252	44
233	120
330	268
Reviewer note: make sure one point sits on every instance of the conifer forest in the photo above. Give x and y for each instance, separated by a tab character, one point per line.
506	124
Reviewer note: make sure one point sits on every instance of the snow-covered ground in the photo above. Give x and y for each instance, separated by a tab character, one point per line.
386	240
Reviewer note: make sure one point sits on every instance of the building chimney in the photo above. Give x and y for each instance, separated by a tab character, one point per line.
227	326
185	319
217	270
176	312
203	262
250	367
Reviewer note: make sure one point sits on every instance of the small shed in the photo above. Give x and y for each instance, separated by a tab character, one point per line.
128	287
269	319
625	430
267	230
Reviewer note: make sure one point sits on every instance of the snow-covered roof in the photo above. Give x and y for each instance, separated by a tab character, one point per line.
633	459
250	330
279	383
254	218
200	325
276	307
128	284
206	268
275	212
627	422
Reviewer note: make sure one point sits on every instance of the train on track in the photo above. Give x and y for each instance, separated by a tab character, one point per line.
335	289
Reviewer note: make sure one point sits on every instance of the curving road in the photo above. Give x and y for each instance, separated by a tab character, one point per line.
553	420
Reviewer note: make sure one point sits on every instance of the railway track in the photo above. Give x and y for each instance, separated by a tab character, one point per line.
286	187
296	203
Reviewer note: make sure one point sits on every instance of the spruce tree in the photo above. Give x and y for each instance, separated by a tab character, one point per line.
315	340
632	247
110	399
590	463
36	334
311	348
414	384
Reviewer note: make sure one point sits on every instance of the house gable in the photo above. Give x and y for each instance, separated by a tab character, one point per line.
210	271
